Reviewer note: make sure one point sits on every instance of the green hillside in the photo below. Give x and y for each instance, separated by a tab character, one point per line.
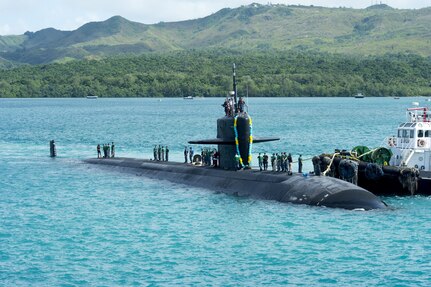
5	64
376	30
207	73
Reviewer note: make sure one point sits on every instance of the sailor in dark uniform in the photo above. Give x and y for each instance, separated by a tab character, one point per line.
186	152
265	161
167	153
259	158
241	105
300	164
191	153
163	154
289	160
99	154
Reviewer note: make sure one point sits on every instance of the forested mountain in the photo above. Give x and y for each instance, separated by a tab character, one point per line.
376	30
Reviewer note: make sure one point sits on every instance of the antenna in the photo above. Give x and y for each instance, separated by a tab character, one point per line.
234	88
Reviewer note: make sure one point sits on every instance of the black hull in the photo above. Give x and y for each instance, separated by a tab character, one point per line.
399	181
313	190
424	184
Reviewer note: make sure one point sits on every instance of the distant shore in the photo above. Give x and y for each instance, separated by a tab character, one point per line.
207	74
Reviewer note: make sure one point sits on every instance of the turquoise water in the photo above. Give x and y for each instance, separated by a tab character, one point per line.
65	223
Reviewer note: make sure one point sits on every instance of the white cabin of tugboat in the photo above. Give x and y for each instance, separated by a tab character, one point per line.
412	145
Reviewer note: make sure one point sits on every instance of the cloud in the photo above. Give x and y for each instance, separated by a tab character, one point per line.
70	14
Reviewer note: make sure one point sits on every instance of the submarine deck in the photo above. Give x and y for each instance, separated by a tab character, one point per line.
171	166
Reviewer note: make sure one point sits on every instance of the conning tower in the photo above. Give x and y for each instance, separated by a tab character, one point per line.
234	134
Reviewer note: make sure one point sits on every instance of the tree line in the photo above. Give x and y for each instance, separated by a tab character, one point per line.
208	74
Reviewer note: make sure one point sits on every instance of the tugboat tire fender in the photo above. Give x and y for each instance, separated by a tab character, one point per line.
373	171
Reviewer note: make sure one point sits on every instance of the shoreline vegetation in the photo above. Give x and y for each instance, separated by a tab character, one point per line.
207	73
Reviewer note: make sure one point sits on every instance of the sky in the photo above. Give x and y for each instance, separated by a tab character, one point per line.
19	16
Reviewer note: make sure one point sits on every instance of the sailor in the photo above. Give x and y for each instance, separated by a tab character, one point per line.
283	162
155	152
265	161
191	154
167	153
259	158
226	107
300	163
112	150
99	154
186	152
159	153
316	165
278	156
273	161
103	149
289	160
163	153
241	105
108	150
231	106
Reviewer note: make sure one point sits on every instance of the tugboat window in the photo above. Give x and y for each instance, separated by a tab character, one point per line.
400	133
405	134
420	133
428	134
412	134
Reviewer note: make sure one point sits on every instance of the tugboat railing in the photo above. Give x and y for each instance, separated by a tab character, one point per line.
407	150
407	153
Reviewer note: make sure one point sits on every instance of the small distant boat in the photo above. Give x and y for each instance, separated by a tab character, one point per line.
92	97
428	100
359	96
396	98
188	97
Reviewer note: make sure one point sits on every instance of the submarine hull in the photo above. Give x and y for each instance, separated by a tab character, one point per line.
312	190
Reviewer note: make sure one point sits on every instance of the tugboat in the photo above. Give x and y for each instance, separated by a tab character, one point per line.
234	175
402	167
412	145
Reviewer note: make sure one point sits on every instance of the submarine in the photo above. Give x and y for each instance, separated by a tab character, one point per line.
234	175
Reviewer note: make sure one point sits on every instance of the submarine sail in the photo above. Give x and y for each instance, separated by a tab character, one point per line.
234	133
